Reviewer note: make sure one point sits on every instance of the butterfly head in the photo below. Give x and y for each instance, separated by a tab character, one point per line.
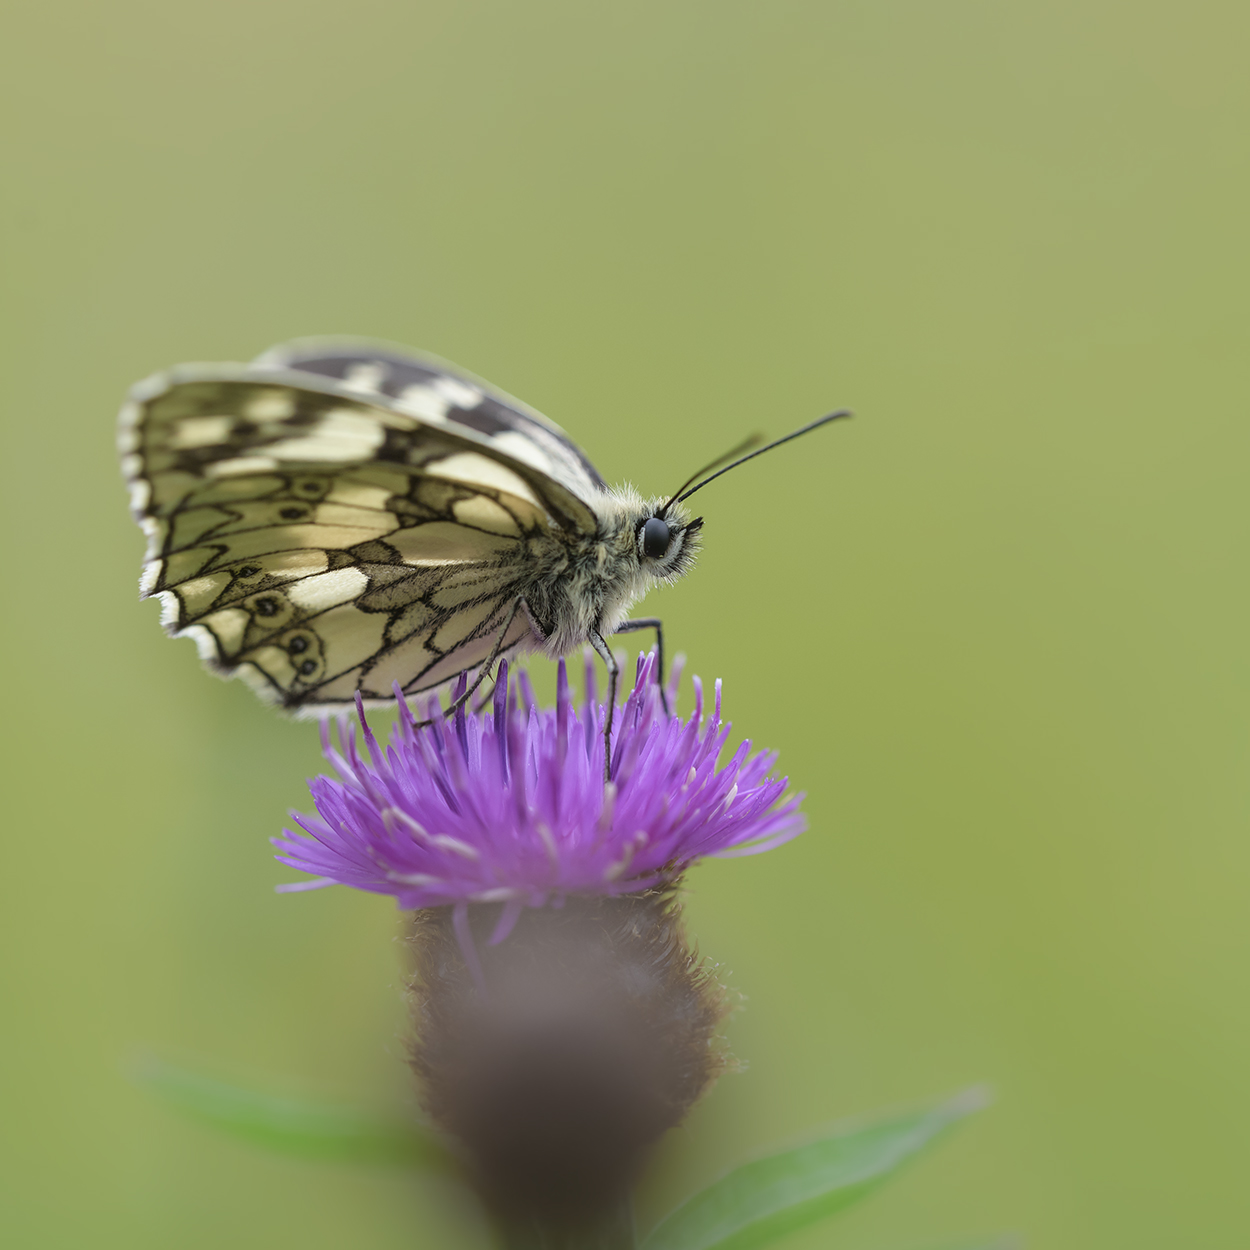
645	542
641	544
666	540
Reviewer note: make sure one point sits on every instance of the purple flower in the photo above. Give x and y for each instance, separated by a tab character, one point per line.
510	805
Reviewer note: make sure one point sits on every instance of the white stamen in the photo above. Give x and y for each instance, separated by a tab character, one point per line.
392	814
447	843
613	871
604	822
549	843
444	841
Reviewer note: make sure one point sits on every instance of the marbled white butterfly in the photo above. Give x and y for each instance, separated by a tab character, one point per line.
345	517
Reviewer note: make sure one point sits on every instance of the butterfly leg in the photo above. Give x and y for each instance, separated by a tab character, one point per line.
651	622
609	660
456	704
488	698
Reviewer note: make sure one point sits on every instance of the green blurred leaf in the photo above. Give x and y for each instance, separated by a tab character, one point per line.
289	1126
758	1203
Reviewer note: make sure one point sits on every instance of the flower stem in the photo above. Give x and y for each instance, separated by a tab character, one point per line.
614	1232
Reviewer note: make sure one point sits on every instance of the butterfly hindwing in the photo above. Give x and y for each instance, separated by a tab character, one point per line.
318	542
451	394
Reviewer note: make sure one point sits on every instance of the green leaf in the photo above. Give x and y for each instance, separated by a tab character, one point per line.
289	1126
759	1202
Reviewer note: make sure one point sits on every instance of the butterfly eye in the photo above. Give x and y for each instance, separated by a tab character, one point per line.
655	535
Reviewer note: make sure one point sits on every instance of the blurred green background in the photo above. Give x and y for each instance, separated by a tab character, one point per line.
996	625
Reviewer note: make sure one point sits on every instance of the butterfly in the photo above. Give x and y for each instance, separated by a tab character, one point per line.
343	518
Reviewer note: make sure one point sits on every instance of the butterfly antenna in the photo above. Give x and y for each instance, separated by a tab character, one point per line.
747	443
807	429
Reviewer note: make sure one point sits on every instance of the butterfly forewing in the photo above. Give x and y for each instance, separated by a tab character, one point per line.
321	538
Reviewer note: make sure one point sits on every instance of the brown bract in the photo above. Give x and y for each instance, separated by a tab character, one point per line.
594	1033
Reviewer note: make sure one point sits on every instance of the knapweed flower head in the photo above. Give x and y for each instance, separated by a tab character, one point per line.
509	805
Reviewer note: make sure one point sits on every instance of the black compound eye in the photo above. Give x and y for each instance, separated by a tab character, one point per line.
655	535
